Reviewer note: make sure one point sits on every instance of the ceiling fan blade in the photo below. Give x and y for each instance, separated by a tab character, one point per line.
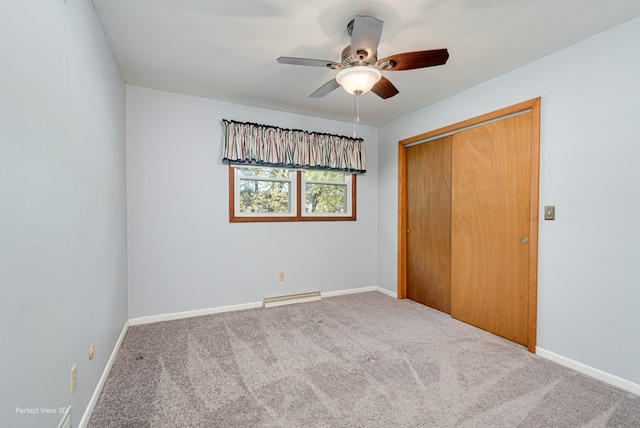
365	37
325	89
413	60
309	62
384	88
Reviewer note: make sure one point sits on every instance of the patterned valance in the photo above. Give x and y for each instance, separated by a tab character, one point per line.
251	143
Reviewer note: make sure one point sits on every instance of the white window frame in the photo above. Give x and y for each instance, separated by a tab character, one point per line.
348	192
292	191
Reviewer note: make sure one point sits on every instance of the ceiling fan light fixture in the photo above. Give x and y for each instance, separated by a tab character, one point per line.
358	79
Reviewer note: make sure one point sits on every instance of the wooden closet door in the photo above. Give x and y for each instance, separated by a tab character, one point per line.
490	226
429	224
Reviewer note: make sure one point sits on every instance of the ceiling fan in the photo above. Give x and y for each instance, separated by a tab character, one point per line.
360	69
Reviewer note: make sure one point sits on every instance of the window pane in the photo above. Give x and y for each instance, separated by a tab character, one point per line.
257	196
324	175
263	172
325	198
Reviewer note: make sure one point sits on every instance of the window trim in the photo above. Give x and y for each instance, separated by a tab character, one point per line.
298	215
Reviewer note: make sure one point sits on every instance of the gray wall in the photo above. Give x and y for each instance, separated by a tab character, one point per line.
589	293
185	255
63	258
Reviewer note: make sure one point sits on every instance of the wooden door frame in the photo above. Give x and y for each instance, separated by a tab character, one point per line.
531	105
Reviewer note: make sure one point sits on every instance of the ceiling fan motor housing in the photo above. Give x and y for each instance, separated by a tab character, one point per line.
349	60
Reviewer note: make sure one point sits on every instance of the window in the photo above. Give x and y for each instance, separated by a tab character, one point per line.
326	193
265	191
278	194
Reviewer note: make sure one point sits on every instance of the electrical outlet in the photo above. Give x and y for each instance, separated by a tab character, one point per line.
281	276
73	378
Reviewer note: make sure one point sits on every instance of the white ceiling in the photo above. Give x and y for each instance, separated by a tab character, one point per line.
227	49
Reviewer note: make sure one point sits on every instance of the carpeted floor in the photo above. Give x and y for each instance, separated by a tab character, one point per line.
361	360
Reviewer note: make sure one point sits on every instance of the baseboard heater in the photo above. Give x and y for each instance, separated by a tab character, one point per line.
288	299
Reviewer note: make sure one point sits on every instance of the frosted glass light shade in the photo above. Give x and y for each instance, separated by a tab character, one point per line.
359	78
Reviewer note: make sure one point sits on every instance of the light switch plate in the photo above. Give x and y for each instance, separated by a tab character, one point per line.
550	212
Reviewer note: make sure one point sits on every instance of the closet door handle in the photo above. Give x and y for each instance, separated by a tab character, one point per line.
524	239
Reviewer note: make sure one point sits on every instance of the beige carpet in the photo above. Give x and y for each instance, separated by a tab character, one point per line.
361	360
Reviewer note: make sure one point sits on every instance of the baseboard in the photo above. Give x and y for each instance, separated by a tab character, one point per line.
590	371
105	373
360	290
347	291
191	314
387	292
220	309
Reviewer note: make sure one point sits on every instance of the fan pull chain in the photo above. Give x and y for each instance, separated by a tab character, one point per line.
356	111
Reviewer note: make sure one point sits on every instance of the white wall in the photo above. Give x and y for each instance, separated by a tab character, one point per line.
183	252
62	207
589	257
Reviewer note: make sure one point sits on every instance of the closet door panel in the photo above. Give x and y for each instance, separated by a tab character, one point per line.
490	225
429	224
